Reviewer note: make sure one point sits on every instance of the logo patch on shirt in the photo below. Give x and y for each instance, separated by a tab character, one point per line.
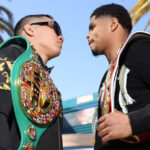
5	67
124	97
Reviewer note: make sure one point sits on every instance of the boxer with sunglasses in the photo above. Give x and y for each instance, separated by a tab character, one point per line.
37	105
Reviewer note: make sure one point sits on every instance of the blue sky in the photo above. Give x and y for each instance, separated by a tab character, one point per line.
76	72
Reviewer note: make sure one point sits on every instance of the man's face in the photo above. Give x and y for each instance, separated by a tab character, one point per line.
45	36
98	35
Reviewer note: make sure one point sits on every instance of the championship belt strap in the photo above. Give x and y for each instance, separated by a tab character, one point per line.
36	100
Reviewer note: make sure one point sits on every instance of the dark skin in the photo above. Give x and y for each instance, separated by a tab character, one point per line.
105	36
115	125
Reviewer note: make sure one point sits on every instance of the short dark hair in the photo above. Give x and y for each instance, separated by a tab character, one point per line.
25	20
117	11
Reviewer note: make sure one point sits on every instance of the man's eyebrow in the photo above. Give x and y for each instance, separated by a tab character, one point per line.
90	26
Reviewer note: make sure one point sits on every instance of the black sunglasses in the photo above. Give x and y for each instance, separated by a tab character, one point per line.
52	24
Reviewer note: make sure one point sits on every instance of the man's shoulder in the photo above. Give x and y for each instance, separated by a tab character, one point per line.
137	39
139	43
11	52
137	50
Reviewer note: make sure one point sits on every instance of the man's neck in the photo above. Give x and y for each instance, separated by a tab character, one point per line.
115	46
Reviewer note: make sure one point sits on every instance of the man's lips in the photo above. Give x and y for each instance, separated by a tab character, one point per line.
60	43
90	41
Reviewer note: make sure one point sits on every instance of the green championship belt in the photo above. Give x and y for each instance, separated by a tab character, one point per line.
36	100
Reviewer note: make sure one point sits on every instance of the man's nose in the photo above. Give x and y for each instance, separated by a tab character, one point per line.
87	36
61	38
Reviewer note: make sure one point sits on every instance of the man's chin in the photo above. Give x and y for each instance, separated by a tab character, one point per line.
95	53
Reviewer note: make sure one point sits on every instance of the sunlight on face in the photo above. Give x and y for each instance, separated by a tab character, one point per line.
50	43
98	35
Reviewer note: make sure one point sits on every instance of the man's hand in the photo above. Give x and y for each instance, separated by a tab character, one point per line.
115	125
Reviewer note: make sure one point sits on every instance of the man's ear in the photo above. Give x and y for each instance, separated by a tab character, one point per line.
114	24
28	30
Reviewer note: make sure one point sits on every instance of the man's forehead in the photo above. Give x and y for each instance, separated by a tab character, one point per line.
44	19
47	19
41	19
92	20
95	20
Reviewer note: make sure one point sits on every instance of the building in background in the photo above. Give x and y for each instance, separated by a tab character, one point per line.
77	122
